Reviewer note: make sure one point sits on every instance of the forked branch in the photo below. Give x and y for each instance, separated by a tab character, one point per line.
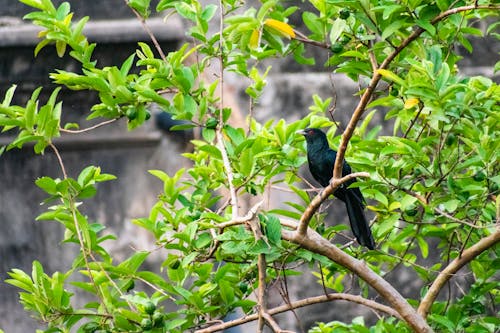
314	242
322	196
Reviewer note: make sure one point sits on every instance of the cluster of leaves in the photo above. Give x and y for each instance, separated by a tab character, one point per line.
439	117
435	177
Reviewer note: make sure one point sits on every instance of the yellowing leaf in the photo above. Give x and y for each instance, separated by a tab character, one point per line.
67	19
391	76
411	102
255	39
42	33
60	48
281	27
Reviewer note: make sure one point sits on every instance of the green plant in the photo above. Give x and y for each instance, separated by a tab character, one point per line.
435	177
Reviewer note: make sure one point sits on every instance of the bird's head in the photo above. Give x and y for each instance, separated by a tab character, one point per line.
313	135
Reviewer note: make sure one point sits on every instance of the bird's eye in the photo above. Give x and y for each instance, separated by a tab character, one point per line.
310	132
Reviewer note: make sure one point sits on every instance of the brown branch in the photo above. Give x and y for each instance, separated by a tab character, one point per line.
322	196
88	128
366	97
304	39
314	242
243	219
261	268
149	32
468	255
229	172
302	303
59	159
263	314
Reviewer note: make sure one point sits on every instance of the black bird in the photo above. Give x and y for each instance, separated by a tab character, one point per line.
321	159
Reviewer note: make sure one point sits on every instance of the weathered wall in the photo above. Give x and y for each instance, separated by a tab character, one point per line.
126	154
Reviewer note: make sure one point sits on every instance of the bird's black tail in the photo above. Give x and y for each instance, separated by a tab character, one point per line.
359	225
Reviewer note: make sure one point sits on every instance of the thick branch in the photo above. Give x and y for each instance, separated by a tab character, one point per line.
453	267
322	196
313	242
301	303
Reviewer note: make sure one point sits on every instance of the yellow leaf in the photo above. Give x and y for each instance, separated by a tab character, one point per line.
60	48
43	33
281	27
391	76
411	102
255	39
67	19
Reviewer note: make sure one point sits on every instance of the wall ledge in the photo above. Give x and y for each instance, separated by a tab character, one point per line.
18	33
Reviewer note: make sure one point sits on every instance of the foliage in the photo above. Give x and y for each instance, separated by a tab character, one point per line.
435	178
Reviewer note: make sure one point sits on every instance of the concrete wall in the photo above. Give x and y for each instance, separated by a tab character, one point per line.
128	155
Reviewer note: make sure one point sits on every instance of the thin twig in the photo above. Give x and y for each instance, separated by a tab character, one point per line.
219	136
85	252
261	268
149	32
242	219
59	159
414	120
88	128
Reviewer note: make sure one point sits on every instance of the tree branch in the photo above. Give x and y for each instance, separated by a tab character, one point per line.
148	31
83	130
365	98
314	242
443	277
59	159
302	303
322	196
243	219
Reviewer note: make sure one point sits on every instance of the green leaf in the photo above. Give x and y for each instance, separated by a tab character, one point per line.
132	264
208	12
141	6
392	28
444	321
10	93
208	134
427	26
312	22
273	229
338	27
34	3
86	175
226	290
47	184
424	247
213	151
20	279
127	64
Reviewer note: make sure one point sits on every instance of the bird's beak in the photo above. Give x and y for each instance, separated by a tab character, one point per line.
302	132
